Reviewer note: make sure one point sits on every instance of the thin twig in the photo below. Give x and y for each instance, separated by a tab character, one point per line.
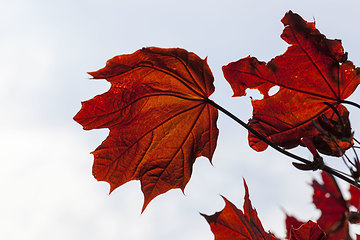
340	172
356	155
343	154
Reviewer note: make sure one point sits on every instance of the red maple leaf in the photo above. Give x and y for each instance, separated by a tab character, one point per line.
314	77
233	224
335	212
334	208
307	231
159	119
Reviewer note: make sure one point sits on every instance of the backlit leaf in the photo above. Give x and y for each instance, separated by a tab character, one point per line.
308	231
233	224
334	209
312	71
158	116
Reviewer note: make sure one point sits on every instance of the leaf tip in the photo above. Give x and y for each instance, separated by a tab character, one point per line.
211	218
112	188
183	190
92	74
145	204
247	195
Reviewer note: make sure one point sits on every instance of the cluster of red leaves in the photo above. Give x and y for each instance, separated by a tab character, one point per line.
333	224
160	120
312	71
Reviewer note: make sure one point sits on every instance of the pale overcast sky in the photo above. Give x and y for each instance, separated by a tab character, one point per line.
47	48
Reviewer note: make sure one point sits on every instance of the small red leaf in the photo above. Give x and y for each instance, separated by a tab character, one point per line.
233	224
308	231
159	119
334	209
312	71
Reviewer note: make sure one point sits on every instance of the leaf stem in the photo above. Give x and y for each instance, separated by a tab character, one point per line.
257	134
279	149
350	103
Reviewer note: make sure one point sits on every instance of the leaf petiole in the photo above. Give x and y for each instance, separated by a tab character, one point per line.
350	103
257	134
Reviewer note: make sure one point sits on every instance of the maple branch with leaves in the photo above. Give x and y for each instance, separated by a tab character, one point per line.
161	119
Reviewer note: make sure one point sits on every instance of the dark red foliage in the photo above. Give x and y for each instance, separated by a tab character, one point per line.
312	71
354	216
233	224
159	119
355	196
334	209
307	231
291	223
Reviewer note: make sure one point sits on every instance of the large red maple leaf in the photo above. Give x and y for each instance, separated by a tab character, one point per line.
313	71
159	119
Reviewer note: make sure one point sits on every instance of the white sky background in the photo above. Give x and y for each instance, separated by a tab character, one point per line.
46	48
